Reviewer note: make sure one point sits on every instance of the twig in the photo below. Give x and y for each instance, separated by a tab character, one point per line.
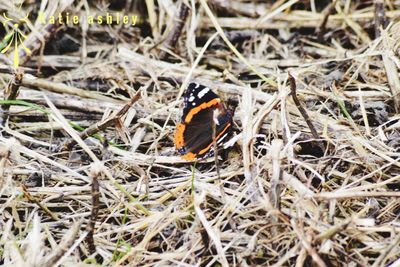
212	234
95	173
37	83
379	17
307	245
221	186
37	202
11	93
251	9
392	72
100	126
328	234
321	29
4	157
355	194
66	242
276	176
247	135
304	113
172	38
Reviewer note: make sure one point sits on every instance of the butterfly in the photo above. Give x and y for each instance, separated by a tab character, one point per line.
203	113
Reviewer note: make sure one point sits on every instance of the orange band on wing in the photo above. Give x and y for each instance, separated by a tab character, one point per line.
199	108
204	150
178	139
189	156
193	156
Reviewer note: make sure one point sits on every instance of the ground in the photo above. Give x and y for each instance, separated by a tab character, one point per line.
89	173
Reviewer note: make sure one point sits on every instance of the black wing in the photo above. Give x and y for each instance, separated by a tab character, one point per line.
198	134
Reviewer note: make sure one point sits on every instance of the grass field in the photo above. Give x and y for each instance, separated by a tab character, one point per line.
92	94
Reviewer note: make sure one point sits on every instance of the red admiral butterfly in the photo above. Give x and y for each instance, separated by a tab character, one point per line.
194	135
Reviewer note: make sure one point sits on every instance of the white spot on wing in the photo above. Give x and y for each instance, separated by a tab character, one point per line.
232	141
216	120
203	92
222	138
191	98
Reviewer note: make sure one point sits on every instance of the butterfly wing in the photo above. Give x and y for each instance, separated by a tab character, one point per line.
199	139
195	96
194	135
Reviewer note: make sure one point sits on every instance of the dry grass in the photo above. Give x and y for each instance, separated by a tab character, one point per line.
124	197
